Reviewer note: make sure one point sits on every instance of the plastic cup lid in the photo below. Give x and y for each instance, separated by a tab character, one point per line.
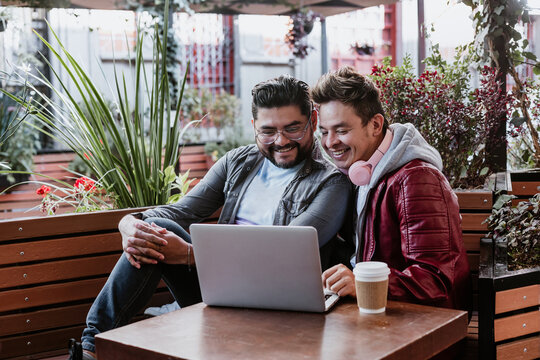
371	269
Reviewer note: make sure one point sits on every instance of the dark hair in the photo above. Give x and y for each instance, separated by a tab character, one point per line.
349	87
281	91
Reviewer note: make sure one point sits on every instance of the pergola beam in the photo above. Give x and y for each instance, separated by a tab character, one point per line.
231	7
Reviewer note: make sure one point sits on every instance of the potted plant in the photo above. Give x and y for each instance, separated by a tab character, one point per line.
18	143
4	17
509	281
134	156
300	25
453	117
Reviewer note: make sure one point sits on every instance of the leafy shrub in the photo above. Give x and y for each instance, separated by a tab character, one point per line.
519	227
457	120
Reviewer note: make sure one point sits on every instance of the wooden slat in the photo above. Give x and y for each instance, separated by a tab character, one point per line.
46	169
191	149
56	270
57	174
31	187
472	241
15	205
515	299
193	166
49	319
524	349
474	261
62	224
475	199
32	213
525	187
474	222
20	299
44	319
52	158
50	294
36	343
193	158
516	325
65	247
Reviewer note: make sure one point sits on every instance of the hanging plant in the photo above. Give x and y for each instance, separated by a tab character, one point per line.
365	49
300	25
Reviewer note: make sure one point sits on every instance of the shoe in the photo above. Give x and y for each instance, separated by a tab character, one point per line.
167	308
76	351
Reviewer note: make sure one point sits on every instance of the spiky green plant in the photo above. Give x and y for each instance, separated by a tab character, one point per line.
146	142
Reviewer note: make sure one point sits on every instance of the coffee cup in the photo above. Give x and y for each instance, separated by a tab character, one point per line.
371	279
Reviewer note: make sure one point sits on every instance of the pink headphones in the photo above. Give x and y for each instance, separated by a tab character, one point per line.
360	171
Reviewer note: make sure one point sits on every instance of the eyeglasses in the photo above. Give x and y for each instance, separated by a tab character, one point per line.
293	133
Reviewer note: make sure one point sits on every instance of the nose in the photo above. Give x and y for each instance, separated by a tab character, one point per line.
281	139
330	140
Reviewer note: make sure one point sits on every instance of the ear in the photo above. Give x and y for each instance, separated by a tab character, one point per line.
314	119
377	123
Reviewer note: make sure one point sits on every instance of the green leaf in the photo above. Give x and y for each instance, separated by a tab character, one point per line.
484	171
525	17
518	121
529	55
501	200
536	69
170	175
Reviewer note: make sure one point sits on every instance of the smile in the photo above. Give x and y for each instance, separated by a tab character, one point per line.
338	153
284	149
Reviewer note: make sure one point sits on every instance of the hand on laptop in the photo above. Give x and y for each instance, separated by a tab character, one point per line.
339	279
141	241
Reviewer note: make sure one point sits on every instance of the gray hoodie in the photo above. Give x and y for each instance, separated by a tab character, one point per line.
407	145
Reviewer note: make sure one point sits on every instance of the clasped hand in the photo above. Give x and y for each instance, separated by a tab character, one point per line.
145	243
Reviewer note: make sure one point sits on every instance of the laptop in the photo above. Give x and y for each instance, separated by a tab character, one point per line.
258	266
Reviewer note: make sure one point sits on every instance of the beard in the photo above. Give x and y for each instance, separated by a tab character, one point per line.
302	153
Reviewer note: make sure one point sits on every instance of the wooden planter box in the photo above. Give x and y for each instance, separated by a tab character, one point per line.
509	317
524	184
51	270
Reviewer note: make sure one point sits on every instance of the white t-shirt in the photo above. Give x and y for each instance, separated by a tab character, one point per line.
260	201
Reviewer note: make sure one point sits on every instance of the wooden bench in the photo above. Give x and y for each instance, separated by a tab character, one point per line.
52	268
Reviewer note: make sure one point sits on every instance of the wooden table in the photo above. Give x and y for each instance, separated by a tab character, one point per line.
405	331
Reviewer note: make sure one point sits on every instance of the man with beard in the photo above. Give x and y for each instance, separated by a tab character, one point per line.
280	180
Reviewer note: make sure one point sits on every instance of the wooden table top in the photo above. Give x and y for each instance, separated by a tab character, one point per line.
404	331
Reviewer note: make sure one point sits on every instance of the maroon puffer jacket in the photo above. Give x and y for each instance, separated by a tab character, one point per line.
413	224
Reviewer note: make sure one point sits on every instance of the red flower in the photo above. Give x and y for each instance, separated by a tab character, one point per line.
43	190
84	183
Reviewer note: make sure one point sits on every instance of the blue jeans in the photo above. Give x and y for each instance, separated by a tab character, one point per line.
129	289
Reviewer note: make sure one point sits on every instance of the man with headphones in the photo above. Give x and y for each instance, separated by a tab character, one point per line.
406	213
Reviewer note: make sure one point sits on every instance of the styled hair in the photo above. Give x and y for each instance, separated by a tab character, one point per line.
349	87
281	91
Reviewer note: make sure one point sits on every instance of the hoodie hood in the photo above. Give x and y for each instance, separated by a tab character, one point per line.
408	144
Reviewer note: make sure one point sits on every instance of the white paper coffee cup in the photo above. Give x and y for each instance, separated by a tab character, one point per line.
371	280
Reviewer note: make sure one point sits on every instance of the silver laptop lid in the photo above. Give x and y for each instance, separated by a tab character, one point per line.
269	267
